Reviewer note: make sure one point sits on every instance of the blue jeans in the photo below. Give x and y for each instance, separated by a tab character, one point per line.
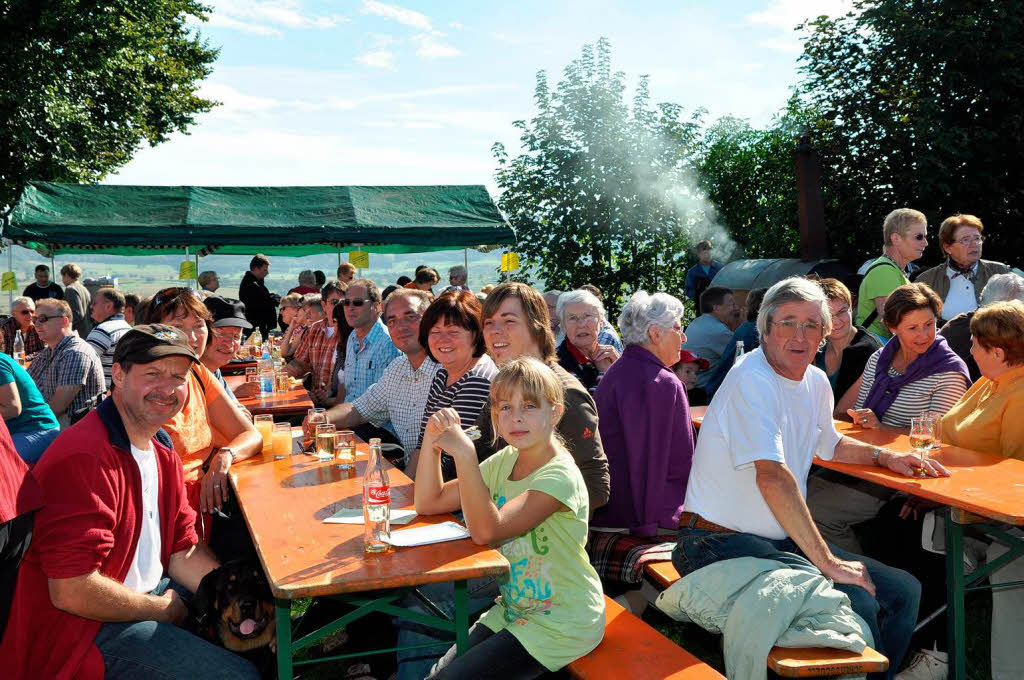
891	614
148	650
415	664
30	445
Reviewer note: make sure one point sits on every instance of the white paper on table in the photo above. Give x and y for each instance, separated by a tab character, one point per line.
435	533
355	516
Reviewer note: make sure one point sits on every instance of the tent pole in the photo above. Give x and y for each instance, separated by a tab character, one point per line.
465	259
197	268
339	254
10	268
53	266
186	259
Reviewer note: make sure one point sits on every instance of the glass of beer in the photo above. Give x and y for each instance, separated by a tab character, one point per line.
922	436
282	444
345	449
325	441
314	416
265	426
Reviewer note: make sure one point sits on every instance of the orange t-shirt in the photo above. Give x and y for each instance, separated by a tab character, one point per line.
190	429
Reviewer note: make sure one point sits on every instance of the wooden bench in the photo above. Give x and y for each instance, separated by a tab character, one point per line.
632	649
809	662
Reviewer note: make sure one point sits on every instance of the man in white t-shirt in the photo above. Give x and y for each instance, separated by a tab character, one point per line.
747	490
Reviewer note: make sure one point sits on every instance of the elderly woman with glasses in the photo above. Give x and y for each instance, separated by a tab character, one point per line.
961	278
581	317
209	433
905	234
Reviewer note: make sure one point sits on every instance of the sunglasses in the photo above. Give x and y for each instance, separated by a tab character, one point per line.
359	302
169	294
42	318
918	237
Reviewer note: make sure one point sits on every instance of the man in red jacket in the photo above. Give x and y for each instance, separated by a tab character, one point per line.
93	595
20	496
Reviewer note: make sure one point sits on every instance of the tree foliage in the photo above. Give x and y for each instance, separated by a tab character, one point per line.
916	103
603	191
84	84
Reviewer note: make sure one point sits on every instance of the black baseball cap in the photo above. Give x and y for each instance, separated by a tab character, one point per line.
149	342
226	312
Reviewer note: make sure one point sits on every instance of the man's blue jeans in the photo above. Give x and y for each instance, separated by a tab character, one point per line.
148	650
891	614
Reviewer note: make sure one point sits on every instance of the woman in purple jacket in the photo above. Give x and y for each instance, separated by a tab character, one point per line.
644	419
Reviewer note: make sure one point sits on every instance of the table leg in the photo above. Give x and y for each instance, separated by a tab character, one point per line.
461	617
284	639
955	591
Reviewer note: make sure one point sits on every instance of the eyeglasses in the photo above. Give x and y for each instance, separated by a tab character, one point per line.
24	312
359	302
227	338
43	318
789	329
971	240
918	237
168	294
580	320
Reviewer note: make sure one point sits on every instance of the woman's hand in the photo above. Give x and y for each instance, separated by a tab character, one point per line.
864	417
247	389
604	356
445	431
214	486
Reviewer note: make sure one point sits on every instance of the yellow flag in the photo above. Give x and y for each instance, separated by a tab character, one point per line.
10	282
509	262
187	270
360	259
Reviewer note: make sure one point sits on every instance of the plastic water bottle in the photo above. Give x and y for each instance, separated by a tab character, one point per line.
740	348
18	350
376	502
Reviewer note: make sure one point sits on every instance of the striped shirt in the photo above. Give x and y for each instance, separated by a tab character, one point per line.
467	396
72	362
365	365
317	351
938	393
103	338
399	397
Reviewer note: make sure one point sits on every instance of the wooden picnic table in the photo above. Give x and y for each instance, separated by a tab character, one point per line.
285	502
293	402
983	491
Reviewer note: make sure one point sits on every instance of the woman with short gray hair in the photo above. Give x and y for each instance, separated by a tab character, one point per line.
957	331
582	316
644	421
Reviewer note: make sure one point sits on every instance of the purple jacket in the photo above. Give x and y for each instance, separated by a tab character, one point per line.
644	419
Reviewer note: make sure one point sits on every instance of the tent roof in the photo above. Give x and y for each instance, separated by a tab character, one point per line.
136	220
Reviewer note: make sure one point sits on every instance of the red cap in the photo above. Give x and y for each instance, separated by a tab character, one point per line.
688	357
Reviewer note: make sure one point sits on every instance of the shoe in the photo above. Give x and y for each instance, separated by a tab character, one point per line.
927	664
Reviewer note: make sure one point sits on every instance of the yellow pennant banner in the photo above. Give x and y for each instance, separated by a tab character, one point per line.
187	270
360	259
10	282
509	262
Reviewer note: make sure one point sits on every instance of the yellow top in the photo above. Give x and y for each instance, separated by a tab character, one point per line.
989	417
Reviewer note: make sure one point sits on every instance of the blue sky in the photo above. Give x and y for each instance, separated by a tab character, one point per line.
368	92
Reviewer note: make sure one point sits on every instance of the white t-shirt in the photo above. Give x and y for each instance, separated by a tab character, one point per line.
961	297
146	571
758	415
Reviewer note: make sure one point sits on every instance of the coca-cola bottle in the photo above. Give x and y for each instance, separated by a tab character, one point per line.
376	502
18	350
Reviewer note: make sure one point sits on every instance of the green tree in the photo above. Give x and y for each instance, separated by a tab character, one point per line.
84	84
603	191
917	104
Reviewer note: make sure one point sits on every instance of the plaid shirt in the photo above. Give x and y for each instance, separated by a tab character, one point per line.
399	397
317	350
72	362
364	366
9	328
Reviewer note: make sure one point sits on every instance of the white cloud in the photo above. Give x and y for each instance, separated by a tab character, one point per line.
402	15
234	102
432	48
269	16
384	59
785	15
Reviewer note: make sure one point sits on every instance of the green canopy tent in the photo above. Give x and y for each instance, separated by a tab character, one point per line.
136	220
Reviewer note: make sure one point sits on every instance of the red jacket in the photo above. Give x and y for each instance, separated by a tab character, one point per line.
91	521
19	492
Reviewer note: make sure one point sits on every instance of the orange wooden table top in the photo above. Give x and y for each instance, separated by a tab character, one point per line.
697	414
294	401
285	502
980	483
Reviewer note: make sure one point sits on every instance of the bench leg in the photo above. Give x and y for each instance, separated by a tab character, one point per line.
955	596
284	639
461	617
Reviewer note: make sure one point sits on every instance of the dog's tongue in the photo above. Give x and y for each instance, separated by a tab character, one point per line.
247	627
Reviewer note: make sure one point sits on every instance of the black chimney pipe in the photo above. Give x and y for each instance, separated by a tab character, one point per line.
813	245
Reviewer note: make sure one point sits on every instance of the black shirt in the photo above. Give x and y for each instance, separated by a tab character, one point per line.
37	292
260	305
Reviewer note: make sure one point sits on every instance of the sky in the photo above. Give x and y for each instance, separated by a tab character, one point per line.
368	92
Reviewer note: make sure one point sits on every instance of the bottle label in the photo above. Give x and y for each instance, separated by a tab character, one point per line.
378	494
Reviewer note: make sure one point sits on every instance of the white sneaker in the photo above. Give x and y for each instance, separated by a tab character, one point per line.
927	664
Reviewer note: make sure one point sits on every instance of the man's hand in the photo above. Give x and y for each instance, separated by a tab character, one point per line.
247	389
175	611
909	464
604	356
914	507
850	573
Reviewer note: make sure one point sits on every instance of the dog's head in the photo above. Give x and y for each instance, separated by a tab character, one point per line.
234	602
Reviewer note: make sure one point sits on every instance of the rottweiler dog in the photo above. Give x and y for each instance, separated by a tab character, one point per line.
233	607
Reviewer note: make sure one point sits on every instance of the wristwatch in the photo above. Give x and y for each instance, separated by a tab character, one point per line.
230	452
876	455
